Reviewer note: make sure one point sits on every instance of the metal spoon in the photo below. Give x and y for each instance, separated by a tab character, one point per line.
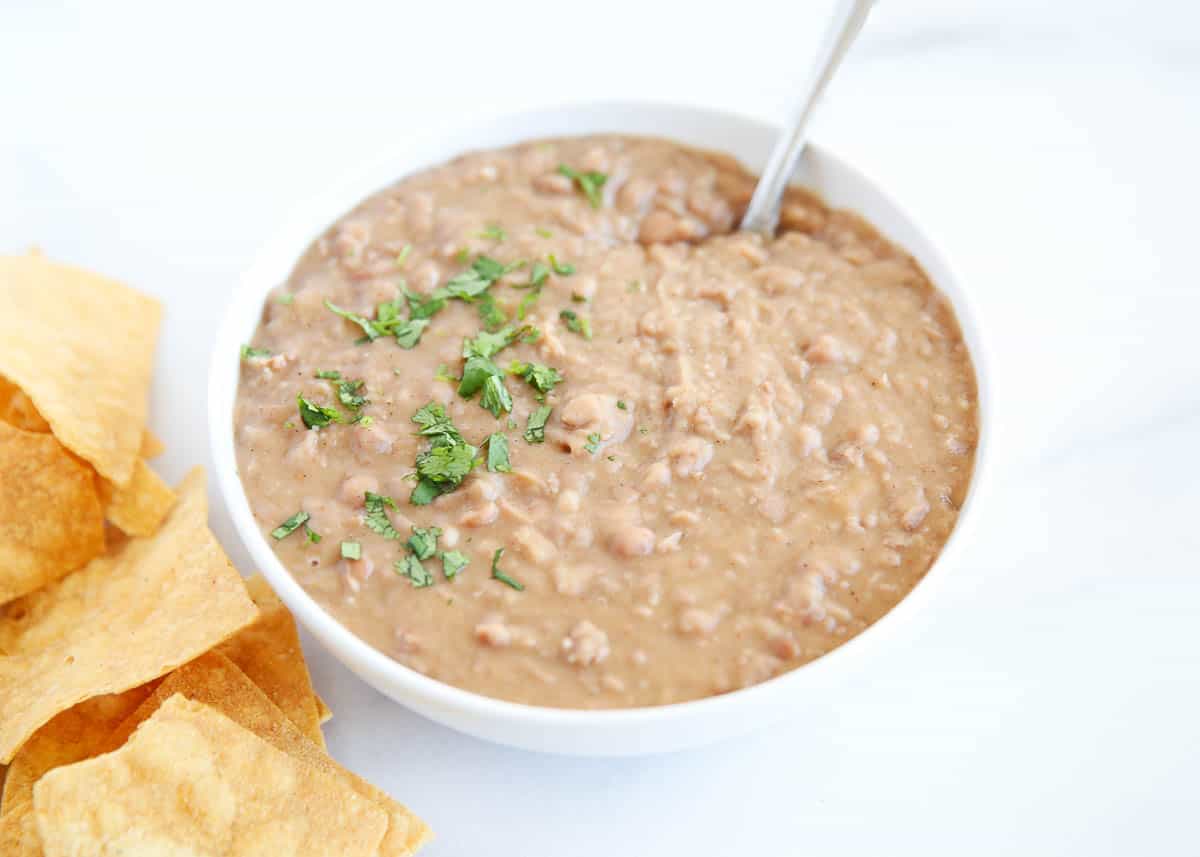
763	214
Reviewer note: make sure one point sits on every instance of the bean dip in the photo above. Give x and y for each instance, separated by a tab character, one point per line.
575	441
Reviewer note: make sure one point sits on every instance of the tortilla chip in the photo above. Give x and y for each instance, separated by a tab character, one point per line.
18	831
123	620
192	781
151	447
214	680
138	507
72	736
51	522
324	713
269	653
17	409
81	346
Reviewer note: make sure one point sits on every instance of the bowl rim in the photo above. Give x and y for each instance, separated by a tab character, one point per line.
335	198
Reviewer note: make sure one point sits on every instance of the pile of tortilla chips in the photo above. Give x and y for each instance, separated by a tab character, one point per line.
151	701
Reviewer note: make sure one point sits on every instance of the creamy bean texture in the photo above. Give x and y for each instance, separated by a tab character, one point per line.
756	450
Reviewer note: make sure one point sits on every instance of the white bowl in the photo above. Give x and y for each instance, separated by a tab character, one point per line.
598	733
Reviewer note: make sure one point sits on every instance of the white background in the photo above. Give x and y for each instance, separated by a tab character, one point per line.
1050	702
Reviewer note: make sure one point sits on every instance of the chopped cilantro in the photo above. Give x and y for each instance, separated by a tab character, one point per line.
286	299
411	568
590	183
249	353
351	550
452	563
494	231
402	256
497	457
289	425
350	394
496	397
365	420
593	443
490	312
545	233
476	371
434	423
329	374
443	374
370	331
423	541
408	333
563	269
541	377
635	286
497	574
535	430
611	457
488	344
477	279
575	324
317	416
289	526
446	463
462	256
643	430
312	535
578	298
388	320
375	514
621	404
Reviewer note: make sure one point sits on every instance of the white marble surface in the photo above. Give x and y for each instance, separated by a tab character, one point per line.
1050	703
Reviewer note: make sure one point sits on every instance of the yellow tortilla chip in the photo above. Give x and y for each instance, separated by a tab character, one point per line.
269	653
51	522
151	447
192	781
123	620
324	713
139	506
81	346
18	831
214	680
72	736
17	409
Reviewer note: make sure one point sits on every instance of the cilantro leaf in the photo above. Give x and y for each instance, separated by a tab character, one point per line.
434	423
402	256
328	374
423	541
590	183
289	526
420	308
411	567
541	377
476	371
350	394
365	324
375	514
497	458
502	576
535	430
312	535
490	312
452	563
447	465
496	397
576	324
563	269
317	416
408	333
426	492
593	443
494	231
249	353
487	344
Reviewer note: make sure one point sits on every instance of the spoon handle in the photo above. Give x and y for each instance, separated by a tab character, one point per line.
762	215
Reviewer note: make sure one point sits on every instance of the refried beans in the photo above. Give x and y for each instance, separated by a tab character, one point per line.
575	441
